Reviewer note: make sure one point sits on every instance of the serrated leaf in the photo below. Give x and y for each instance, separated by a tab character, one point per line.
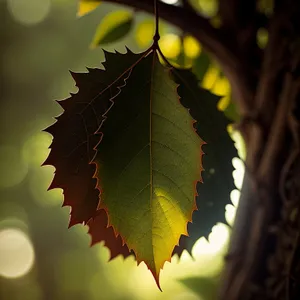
219	151
72	148
148	163
113	27
86	6
100	232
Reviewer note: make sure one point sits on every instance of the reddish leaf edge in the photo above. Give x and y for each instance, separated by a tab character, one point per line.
47	161
62	103
100	206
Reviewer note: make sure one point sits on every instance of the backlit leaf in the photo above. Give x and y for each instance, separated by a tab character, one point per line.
127	153
148	164
86	6
100	232
113	27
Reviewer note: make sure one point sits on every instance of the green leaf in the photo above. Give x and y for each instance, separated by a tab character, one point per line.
148	163
113	27
86	6
219	151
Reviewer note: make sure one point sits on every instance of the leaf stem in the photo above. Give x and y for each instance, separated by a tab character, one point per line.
156	36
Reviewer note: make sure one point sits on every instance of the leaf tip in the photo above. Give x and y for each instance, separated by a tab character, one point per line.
156	278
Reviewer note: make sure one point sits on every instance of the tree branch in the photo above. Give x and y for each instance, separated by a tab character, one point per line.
212	40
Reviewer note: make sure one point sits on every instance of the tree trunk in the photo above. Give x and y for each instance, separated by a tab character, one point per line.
263	260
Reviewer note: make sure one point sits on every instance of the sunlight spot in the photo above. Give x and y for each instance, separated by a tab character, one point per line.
12	168
16	253
185	256
36	149
230	214
210	77
202	246
208	7
170	1
238	142
191	47
235	197
218	237
170	45
144	33
29	12
238	173
262	37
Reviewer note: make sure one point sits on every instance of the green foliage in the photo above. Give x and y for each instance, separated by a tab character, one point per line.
113	27
86	6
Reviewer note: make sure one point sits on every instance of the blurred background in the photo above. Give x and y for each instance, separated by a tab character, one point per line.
41	40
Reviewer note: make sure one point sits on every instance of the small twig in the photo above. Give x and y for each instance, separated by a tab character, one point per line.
213	40
156	36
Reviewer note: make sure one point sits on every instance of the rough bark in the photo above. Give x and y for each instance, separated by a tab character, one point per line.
265	234
263	260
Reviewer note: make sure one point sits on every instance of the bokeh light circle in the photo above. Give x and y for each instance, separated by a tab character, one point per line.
170	1
16	253
170	45
12	169
29	12
36	149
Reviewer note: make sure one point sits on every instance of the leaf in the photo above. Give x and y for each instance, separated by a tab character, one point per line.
86	6
100	232
72	148
148	163
204	287
113	27
219	151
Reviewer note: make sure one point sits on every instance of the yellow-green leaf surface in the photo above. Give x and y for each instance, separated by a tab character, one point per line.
113	27
86	6
148	164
